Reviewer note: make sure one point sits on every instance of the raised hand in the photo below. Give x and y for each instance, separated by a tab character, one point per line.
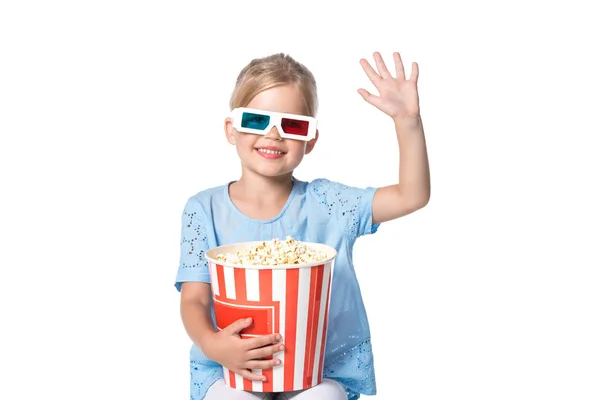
398	96
242	355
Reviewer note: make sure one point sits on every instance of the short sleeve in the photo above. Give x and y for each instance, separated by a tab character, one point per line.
193	267
352	207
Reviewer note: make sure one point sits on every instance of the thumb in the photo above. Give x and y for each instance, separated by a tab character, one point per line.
370	98
365	95
238	325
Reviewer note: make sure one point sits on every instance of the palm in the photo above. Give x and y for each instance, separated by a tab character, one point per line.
398	96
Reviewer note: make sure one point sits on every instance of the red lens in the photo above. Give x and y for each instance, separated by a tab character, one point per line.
294	126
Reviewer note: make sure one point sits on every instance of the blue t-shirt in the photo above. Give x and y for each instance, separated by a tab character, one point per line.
319	211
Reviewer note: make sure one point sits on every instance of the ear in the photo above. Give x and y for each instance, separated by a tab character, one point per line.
311	143
229	131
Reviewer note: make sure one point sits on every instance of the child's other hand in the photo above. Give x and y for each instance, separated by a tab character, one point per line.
242	355
398	96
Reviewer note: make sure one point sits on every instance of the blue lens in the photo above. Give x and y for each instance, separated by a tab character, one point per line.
255	121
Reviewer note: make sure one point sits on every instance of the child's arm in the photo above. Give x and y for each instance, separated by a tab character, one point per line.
225	347
400	100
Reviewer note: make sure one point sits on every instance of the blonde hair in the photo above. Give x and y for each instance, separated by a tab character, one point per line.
270	71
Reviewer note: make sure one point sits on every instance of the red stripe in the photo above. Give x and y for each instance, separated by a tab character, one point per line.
316	332
221	283
222	295
291	313
265	284
240	296
247	384
221	279
232	379
240	284
314	302
265	287
324	335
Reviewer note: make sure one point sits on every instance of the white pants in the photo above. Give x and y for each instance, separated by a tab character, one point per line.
328	389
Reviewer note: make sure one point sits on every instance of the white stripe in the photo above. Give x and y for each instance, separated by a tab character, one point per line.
320	326
253	294
214	279
257	386
279	286
301	324
230	293
226	376
239	382
252	283
229	282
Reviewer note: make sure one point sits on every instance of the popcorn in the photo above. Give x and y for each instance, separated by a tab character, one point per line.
275	252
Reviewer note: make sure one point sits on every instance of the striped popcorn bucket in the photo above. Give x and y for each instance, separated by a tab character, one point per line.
292	300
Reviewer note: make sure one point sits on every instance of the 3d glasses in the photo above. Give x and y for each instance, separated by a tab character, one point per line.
260	122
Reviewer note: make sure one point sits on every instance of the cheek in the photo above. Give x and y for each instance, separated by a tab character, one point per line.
245	141
297	148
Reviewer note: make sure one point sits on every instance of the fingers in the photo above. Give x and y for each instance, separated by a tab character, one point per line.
266	351
399	66
414	75
246	373
383	71
238	326
262	364
262	341
373	76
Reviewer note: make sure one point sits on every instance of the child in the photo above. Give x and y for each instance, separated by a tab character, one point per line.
268	202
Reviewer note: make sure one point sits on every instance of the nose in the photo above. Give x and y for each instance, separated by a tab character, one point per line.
274	134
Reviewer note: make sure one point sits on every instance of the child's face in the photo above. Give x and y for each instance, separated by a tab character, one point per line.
271	155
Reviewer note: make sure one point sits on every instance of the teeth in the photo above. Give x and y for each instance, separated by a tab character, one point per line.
270	151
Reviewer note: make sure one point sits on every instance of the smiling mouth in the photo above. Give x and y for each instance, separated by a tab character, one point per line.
269	151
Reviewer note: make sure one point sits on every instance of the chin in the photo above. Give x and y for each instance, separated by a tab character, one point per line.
270	169
274	174
270	172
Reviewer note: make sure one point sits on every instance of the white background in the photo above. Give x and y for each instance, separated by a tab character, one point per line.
111	116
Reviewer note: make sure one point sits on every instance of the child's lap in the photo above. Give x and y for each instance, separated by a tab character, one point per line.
220	391
328	389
